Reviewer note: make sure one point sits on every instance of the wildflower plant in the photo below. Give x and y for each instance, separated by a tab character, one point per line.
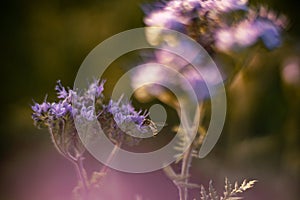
59	117
229	27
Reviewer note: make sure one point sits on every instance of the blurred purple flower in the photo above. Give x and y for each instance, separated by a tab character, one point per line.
224	5
205	22
179	14
174	71
263	25
166	19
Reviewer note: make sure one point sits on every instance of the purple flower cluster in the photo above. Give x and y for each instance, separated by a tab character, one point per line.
47	113
217	25
86	105
262	25
181	13
122	123
210	24
125	113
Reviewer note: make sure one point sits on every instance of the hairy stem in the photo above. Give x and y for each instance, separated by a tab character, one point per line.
185	169
111	156
82	176
188	154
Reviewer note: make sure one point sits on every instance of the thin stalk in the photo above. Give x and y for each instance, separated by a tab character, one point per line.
185	170
241	65
188	155
111	156
82	176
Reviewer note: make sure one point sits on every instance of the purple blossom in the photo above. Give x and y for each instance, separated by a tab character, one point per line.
263	25
204	22
151	73
243	35
40	112
70	104
61	91
118	119
176	14
41	108
122	123
125	112
127	118
60	109
270	34
247	33
95	89
174	71
88	113
224	5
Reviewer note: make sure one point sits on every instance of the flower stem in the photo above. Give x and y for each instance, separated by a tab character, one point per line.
82	176
111	156
185	168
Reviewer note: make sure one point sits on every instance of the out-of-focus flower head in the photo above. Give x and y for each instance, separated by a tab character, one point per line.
169	70
209	23
197	18
259	25
217	25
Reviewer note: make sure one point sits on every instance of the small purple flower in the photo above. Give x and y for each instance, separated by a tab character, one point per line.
124	114
88	113
60	109
138	118
122	123
70	104
61	91
95	88
41	108
40	113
